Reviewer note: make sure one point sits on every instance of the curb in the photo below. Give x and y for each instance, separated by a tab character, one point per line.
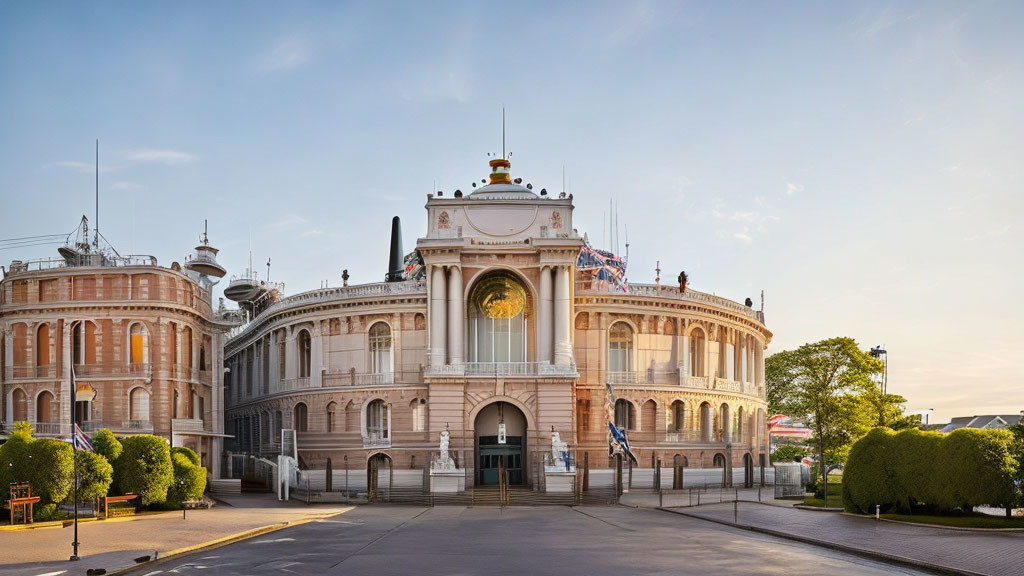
870	554
68	521
943	527
217	543
817	508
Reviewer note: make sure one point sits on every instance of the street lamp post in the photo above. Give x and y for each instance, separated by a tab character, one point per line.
880	353
74	544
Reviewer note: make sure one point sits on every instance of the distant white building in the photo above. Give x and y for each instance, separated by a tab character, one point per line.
988	422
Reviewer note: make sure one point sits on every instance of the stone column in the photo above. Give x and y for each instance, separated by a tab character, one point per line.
8	361
545	327
685	363
437	316
316	357
455	316
730	362
563	344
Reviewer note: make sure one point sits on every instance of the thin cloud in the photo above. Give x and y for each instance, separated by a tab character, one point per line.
84	167
286	54
125	186
793	188
158	156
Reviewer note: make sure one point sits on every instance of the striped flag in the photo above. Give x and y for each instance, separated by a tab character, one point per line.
80	440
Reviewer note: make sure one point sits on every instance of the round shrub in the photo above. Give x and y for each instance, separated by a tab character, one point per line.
13	456
49	469
189	480
186	452
95	475
977	468
144	468
869	477
917	485
107	445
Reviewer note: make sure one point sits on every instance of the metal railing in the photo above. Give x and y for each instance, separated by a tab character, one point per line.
138	425
596	288
47	428
31	372
112	370
376	439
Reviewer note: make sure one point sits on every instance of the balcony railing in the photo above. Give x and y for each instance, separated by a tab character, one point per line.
684	436
376	439
649	376
108	370
620	377
187	425
511	369
294	384
32	372
138	425
598	288
48	428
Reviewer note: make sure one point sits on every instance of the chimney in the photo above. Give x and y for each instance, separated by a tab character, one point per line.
396	264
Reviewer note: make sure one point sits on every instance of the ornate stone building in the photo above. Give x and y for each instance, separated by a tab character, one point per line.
501	340
143	341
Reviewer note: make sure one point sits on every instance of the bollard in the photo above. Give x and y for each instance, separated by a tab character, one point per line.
736	510
878	511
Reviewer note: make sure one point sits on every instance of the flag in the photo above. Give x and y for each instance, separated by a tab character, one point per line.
80	440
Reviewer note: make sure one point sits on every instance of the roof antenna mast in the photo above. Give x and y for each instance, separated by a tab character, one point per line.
96	223
503	134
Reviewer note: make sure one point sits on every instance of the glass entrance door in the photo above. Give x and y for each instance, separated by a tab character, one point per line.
493	456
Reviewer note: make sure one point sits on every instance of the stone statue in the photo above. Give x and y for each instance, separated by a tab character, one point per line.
559	450
444	460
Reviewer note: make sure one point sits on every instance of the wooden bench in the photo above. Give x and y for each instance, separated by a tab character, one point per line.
21	503
120	505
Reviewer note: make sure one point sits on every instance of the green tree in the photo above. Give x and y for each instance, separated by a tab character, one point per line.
978	468
822	384
144	468
888	410
107	445
95	475
13	456
1018	454
789	453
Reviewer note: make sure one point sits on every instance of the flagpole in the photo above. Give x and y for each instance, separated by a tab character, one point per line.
74	544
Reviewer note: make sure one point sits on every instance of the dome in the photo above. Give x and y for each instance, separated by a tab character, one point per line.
504	192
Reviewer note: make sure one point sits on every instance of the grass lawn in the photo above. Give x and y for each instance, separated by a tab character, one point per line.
964	521
835	499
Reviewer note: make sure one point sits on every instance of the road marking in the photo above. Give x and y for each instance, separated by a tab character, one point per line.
153	572
338	522
273	541
53	573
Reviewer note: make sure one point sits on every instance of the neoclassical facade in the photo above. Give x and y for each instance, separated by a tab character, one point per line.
501	341
143	342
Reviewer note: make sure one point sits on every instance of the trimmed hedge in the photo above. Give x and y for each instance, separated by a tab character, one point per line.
144	468
107	445
45	464
927	471
189	478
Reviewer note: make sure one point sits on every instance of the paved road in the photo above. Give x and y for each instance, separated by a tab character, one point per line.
385	540
995	553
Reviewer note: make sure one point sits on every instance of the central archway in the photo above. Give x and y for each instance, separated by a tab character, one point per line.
500	430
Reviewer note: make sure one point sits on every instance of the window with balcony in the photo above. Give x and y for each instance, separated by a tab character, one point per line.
43	345
380	348
137	343
419	414
676	422
45	407
697	352
19	405
83	343
138	408
305	349
497	320
620	348
332	411
377	428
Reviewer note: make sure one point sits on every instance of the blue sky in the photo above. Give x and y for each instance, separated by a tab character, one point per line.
859	162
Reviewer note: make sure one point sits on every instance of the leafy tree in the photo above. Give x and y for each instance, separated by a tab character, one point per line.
50	469
95	475
978	468
144	468
13	455
888	410
186	452
107	445
1018	454
822	384
788	453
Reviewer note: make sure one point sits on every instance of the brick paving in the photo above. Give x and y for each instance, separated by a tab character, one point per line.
990	553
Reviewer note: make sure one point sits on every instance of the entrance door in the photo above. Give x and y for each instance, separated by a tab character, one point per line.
494	456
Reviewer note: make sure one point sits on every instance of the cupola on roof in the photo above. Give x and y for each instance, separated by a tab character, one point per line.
501	186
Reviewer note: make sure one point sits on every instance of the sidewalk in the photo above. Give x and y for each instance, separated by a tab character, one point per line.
952	551
115	543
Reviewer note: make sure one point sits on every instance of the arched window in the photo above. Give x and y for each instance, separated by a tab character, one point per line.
497	320
301	423
648	416
44	407
718	462
136	340
724	433
43	345
377	425
305	347
332	409
419	414
620	347
707	416
83	343
625	414
138	408
19	403
186	347
380	348
676	417
278	425
697	353
738	428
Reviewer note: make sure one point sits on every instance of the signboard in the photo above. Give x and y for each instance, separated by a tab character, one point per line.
501	433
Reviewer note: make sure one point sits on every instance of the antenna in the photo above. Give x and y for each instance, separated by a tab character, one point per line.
96	222
268	270
503	133
563	178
